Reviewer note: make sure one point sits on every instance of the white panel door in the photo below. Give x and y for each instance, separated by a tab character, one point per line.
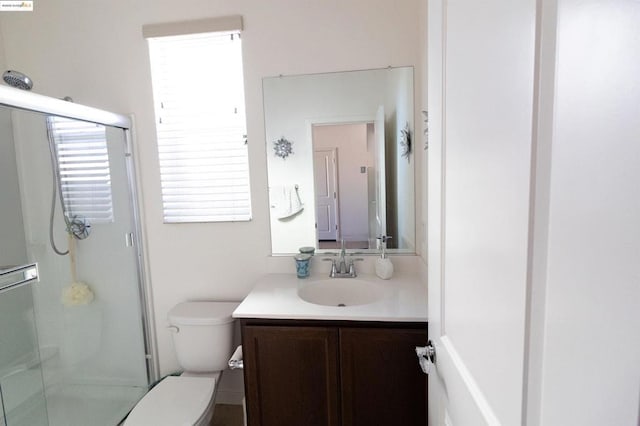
380	194
324	169
481	85
593	273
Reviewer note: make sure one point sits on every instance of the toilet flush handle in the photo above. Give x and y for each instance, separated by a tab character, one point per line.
173	329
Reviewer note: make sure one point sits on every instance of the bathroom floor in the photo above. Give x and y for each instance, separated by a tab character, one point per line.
227	415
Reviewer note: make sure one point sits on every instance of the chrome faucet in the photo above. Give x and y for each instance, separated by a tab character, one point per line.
344	266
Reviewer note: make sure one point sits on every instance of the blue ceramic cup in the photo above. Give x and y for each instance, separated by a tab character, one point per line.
302	265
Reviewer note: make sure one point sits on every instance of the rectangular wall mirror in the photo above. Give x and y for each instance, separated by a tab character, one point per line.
339	160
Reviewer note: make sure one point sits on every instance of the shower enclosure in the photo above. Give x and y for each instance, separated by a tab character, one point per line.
74	331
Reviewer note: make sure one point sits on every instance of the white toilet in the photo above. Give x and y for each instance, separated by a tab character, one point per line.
203	339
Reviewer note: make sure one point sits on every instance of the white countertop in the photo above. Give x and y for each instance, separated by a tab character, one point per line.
275	297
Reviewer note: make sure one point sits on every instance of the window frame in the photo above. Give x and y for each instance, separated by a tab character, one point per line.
226	202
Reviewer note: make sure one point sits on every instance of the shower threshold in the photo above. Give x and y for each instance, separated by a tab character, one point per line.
81	405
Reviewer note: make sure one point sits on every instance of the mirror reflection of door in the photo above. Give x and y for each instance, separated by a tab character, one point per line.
380	197
348	200
324	168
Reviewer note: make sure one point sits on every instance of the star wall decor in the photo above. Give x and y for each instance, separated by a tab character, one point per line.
405	142
282	147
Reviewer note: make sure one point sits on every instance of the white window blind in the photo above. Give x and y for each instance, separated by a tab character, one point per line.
198	92
83	164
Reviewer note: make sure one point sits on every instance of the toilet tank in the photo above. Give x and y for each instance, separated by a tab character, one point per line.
202	335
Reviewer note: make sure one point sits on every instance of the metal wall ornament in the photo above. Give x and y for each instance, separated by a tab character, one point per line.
282	147
405	142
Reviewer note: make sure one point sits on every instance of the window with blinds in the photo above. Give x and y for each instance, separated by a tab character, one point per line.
83	166
198	91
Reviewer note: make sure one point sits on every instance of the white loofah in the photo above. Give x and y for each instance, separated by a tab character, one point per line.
77	293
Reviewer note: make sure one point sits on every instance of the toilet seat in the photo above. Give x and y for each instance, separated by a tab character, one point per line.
175	401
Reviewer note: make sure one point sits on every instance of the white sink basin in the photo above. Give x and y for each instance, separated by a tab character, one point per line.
342	292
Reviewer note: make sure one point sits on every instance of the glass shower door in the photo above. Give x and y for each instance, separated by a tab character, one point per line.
21	383
87	306
22	400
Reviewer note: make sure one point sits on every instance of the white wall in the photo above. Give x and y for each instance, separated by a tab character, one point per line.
421	136
14	250
2	58
11	227
94	51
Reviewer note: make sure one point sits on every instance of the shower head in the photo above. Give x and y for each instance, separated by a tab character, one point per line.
17	79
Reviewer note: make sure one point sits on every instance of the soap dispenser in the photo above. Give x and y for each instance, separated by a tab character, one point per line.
384	267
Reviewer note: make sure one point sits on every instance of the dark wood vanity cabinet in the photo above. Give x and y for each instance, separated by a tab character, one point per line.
308	373
381	381
291	375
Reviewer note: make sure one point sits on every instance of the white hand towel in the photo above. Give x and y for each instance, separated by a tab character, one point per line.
296	202
288	203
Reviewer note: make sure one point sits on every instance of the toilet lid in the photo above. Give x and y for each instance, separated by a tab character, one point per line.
202	313
175	401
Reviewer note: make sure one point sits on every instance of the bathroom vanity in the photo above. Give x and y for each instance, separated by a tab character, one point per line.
316	363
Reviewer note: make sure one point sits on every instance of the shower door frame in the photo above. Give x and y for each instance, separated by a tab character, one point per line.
28	101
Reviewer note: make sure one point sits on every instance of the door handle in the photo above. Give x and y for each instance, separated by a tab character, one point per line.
426	356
